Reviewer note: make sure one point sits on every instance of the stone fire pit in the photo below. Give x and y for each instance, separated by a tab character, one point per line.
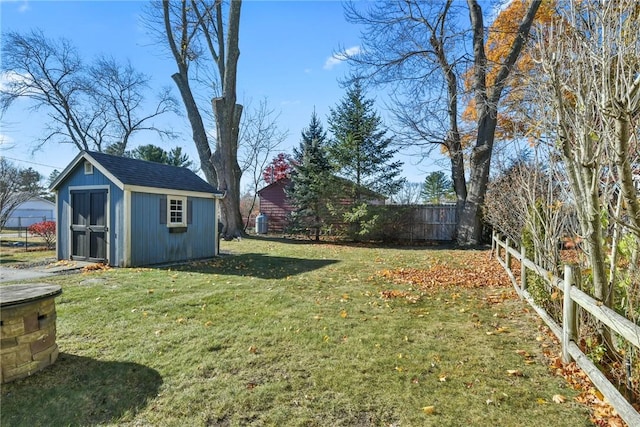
27	329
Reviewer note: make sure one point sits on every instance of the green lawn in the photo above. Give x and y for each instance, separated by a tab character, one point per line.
18	251
285	333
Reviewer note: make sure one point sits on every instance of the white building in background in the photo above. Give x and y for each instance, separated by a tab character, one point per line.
30	212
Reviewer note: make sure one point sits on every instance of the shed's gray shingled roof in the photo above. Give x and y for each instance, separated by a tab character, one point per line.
151	174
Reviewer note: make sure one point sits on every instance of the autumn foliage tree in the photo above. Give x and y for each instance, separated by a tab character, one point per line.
515	113
281	167
422	50
46	230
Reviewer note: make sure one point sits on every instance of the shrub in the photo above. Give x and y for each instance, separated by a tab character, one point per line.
46	230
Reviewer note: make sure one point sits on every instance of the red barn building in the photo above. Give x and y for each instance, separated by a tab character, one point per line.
275	205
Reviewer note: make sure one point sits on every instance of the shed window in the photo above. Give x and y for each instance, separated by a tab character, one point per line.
176	211
88	168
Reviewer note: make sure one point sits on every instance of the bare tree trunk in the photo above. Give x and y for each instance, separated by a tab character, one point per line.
225	160
453	141
179	47
203	21
470	224
227	114
623	164
199	133
459	183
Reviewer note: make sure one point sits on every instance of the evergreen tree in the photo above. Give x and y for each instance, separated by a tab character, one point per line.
176	157
360	150
315	131
150	153
311	177
437	188
153	153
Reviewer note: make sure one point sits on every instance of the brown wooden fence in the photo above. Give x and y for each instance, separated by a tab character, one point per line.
428	222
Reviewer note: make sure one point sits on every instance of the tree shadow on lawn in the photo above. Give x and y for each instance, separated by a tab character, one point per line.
78	390
262	266
409	245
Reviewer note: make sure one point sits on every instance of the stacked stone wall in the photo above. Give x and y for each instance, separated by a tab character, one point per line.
27	338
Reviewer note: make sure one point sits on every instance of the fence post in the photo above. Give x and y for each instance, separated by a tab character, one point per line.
569	324
523	268
507	254
493	242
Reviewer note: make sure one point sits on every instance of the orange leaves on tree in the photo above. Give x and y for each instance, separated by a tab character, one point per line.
512	120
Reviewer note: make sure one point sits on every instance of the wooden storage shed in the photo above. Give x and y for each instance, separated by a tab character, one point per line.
127	212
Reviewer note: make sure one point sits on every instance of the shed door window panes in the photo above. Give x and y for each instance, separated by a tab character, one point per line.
177	211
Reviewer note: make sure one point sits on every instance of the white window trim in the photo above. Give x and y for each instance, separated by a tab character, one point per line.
88	168
183	223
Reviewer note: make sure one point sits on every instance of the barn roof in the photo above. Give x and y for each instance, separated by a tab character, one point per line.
127	172
284	182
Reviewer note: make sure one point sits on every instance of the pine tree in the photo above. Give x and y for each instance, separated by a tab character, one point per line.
437	187
360	150
315	131
309	182
153	153
176	157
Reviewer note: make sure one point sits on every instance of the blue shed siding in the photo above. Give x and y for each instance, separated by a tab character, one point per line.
62	212
77	178
153	243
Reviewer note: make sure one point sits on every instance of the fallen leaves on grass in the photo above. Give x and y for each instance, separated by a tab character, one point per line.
498	330
470	270
528	358
96	267
429	410
602	413
394	293
558	398
62	263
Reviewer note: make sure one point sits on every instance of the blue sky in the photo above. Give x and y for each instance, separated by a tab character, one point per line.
287	57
